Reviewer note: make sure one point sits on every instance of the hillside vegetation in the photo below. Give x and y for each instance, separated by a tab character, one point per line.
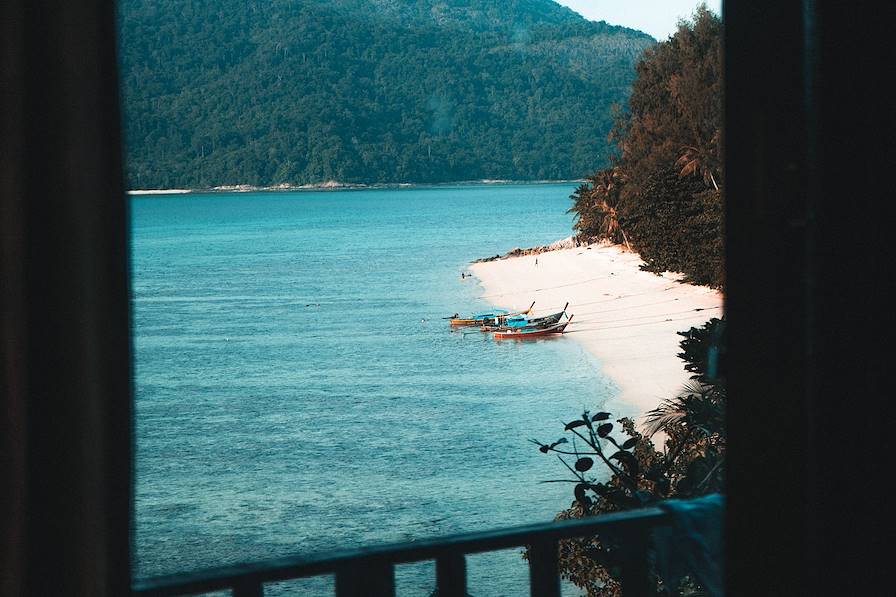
662	194
304	91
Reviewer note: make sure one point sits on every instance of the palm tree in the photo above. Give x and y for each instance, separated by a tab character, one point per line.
693	161
697	405
695	424
597	203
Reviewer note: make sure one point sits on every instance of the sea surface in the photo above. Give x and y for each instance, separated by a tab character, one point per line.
298	389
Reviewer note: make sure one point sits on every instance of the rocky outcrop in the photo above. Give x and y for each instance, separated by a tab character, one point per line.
570	242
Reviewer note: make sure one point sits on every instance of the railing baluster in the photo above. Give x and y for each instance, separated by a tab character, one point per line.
544	575
366	579
451	575
248	588
636	577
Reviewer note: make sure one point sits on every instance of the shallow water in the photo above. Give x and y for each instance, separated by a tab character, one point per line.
298	391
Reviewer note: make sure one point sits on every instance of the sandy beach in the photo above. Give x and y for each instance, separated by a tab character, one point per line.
626	317
159	191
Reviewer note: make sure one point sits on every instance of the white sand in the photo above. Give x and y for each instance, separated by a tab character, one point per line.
159	191
626	317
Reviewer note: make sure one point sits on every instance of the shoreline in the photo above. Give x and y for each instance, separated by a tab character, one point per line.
625	317
333	185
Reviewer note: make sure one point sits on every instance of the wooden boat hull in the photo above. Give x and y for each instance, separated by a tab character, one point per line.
462	322
537	322
531	333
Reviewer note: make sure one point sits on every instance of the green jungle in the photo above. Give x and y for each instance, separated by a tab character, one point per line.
423	91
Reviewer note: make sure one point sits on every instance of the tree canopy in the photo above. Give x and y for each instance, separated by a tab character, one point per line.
306	91
662	194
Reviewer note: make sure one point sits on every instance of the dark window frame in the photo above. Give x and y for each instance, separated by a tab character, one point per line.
809	151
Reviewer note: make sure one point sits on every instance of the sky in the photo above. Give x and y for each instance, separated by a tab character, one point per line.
659	18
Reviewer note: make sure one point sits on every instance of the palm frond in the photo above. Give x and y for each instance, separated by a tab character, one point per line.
677	409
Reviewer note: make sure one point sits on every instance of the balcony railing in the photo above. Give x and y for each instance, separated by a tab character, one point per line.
369	571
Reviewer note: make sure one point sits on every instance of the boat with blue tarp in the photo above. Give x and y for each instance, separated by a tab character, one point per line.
487	318
524	321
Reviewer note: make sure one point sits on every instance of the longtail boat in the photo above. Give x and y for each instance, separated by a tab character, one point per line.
529	333
521	322
487	318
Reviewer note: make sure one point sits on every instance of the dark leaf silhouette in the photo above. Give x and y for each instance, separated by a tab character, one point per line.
627	460
654	473
621	499
598	488
581	497
605	429
584	464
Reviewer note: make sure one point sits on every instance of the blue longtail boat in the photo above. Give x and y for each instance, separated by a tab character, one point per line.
518	322
532	333
487	318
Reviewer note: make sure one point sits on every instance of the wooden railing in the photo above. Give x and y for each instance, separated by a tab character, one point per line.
369	571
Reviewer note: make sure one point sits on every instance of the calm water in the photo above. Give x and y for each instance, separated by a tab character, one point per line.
298	391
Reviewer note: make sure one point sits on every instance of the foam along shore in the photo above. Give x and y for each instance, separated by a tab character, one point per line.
159	191
626	317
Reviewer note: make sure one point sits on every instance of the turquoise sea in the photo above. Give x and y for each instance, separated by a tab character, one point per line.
298	390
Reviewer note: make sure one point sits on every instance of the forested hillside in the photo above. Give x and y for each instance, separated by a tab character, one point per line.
304	91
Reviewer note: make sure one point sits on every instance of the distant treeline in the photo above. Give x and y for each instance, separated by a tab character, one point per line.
304	91
662	194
